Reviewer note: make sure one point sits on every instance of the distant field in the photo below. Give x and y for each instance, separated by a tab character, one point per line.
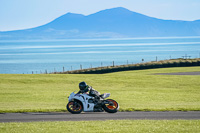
134	90
110	126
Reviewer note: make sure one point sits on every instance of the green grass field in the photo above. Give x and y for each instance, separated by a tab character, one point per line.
134	90
117	126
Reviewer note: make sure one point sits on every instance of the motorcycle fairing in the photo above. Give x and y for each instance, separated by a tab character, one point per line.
83	98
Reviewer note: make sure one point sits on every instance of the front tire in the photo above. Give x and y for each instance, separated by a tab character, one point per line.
75	107
111	108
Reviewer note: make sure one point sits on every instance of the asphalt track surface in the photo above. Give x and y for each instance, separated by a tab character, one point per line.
137	115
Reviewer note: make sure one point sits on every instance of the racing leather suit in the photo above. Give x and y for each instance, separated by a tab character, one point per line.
92	92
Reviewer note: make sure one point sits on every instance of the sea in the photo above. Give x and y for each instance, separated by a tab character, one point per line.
47	56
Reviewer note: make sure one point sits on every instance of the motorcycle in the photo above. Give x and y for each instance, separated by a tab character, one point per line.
83	102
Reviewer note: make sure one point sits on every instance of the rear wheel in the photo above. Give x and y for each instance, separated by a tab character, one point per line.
112	107
75	107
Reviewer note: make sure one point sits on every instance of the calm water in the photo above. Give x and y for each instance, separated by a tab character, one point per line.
52	55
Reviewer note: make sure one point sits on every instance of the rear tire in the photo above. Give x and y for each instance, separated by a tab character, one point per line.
109	108
75	107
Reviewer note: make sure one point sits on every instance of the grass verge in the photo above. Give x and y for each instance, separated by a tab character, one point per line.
140	66
139	90
109	126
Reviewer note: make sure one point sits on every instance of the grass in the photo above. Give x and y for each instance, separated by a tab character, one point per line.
134	90
109	126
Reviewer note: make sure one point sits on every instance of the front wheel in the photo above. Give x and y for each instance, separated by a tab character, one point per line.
111	107
74	107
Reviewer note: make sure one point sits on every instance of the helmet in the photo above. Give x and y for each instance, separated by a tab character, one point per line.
82	85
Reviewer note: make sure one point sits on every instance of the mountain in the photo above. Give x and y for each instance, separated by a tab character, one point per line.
111	23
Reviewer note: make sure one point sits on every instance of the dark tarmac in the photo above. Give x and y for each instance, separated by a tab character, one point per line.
89	116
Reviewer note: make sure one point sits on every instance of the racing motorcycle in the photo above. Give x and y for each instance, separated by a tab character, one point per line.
84	102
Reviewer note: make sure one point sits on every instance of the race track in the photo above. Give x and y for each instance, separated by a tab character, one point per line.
29	117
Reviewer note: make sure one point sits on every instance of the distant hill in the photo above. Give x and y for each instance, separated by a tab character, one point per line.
111	23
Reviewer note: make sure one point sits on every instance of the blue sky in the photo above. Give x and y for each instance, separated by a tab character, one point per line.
22	14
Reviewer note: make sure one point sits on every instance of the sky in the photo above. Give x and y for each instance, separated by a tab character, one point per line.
23	14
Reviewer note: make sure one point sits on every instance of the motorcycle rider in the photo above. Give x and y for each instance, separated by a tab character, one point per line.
84	88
